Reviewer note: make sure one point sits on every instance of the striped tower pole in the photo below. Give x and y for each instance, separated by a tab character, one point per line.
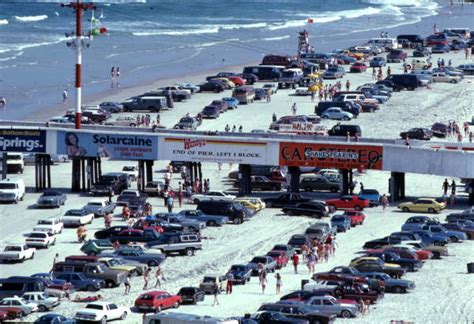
79	9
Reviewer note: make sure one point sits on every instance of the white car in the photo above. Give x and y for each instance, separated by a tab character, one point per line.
212	195
302	92
320	284
18	302
55	158
271	86
17	252
102	312
40	239
132	171
51	225
44	302
443	77
126	121
77	217
337	113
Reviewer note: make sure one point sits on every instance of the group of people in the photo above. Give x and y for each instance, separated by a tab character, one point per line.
377	74
452	197
454	131
115	76
146	121
227	129
317	252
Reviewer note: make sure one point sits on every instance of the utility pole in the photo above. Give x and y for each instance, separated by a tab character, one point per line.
78	44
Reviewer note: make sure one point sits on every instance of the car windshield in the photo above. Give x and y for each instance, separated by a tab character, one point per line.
94	203
338	219
7	186
185	291
74	212
12	248
237	268
38	235
259	260
209	279
128	168
51	193
114	262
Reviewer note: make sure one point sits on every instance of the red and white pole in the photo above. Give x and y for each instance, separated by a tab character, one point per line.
78	63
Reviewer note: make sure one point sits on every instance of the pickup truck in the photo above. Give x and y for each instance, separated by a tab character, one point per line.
184	244
96	270
51	225
128	196
99	207
17	252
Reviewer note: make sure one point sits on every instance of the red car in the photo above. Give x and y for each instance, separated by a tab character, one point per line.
358	67
402	253
280	257
157	301
421	254
142	224
12	312
348	202
238	81
357	217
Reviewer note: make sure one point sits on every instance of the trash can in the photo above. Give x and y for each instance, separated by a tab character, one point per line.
470	267
304	282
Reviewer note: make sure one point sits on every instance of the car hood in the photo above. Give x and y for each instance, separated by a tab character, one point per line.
9	191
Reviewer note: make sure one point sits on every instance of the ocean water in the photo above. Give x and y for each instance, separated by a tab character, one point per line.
152	39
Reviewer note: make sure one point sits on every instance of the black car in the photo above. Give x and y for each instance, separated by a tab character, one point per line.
241	273
191	295
261	94
378	243
108	232
211	112
342	130
268	317
303	295
348	106
263	183
211	87
423	134
298	310
148	235
421	52
297	240
403	81
249	78
312	209
236	212
285	200
439	130
391	257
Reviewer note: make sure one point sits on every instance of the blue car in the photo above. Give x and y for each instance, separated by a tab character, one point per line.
49	279
81	282
429	238
378	61
210	220
53	318
417	222
341	222
391	284
231	102
241	273
454	236
372	195
440	49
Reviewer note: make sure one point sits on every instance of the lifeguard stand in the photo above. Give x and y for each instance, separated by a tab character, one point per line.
303	43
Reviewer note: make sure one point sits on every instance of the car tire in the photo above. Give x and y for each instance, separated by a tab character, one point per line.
176	305
237	221
307	189
152	263
42	308
332	208
211	223
334	190
357	207
268	205
103	320
196	201
325	117
109	284
346	314
124	316
405	209
398	290
189	252
21	314
345	118
454	239
431	210
90	288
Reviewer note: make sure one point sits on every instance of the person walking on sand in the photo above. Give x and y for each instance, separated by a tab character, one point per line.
264	281
384	201
146	274
117	73
65	95
127	284
274	117
215	292
269	96
296	260
230	283
313	94
334	245
227	128
293	108
158	276
453	187
374	73
445	186
234	129
348	85
112	73
279	283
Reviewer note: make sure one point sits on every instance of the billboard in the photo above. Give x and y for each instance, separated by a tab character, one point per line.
114	146
23	140
303	128
328	155
213	150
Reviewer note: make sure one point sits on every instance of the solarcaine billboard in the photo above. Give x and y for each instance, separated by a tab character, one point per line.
115	146
22	140
329	155
209	149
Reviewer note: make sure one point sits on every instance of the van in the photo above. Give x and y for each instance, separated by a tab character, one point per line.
15	162
343	129
390	43
463	32
404	81
153	104
412	38
12	190
182	318
244	94
265	72
283	60
18	285
234	210
419	64
210	282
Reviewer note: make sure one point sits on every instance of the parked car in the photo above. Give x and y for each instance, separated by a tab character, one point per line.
51	225
284	200
427	205
77	217
99	207
96	246
439	130
319	183
392	257
211	282
102	312
310	208
210	220
371	264
337	114
341	222
52	318
297	240
241	273
421	52
269	265
51	198
372	195
211	87
378	61
212	195
275	318
440	49
231	102
423	134
334	72
189	224
150	257
358	67
348	202
20	303
156	301
396	56
40	239
298	311
392	285
417	222
444	77
272	88
45	303
329	305
17	253
356	217
111	106
191	295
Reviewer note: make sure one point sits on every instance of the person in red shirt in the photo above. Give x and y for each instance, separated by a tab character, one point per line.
296	261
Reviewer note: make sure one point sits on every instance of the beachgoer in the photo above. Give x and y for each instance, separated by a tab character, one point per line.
274	117
127	284
445	186
296	260
293	108
230	283
384	201
269	96
108	220
65	95
334	245
146	274
453	187
112	72
215	292
158	275
263	281
279	283
241	129
234	128
348	85
352	186
227	128
361	187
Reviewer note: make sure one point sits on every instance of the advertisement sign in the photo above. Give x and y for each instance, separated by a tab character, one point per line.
23	140
223	151
303	128
328	155
114	146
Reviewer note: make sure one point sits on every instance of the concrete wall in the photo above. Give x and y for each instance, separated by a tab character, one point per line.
425	161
